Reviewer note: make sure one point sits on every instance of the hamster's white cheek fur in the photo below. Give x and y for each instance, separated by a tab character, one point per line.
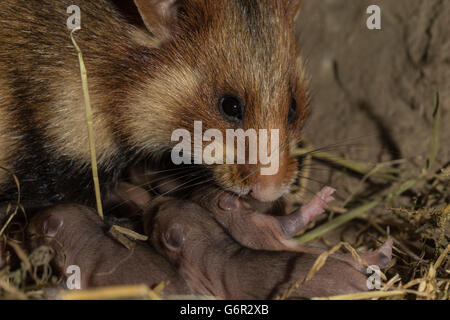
156	103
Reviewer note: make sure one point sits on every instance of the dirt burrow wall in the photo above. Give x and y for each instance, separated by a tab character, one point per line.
373	90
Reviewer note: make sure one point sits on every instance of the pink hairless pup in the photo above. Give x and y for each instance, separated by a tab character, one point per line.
260	231
214	264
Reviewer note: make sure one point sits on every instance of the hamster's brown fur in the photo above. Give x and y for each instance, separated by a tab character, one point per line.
142	87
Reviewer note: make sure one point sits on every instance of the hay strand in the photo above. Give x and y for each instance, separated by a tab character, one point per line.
112	293
89	120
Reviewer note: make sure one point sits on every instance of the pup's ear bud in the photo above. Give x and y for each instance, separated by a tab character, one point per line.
174	237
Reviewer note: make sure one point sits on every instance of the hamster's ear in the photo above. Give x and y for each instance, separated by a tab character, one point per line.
159	16
174	238
293	8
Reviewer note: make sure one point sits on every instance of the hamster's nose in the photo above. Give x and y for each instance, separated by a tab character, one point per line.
270	187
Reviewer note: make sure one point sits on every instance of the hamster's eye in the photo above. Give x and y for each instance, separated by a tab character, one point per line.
231	108
292	110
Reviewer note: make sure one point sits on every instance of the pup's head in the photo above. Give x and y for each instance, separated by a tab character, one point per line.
231	64
180	229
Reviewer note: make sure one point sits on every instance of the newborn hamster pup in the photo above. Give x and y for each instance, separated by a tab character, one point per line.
216	265
259	231
153	68
78	237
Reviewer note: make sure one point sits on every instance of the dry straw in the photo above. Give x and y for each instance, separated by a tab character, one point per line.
90	125
17	205
120	292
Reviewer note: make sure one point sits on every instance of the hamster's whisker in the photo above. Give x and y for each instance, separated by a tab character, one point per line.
177	178
166	170
136	187
340	145
185	185
198	184
213	189
314	168
162	178
322	183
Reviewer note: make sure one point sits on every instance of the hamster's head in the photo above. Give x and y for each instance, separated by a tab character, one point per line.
222	67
